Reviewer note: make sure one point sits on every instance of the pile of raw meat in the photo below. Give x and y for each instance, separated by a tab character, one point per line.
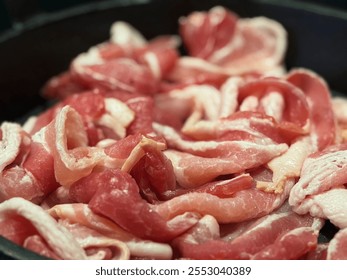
150	154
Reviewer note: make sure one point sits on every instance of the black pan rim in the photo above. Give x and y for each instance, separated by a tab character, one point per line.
47	18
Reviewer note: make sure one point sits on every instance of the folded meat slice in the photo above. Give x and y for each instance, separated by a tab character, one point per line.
328	205
295	116
323	124
67	141
320	253
14	142
275	233
237	45
321	172
37	244
337	246
60	241
205	33
113	197
194	170
243	205
96	245
28	166
290	246
78	213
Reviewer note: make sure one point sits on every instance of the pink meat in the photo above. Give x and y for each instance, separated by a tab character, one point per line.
154	174
12	140
328	205
112	200
77	213
243	205
38	245
323	126
143	108
67	141
58	239
205	33
193	171
295	116
320	253
31	173
61	86
124	74
239	46
291	246
321	171
40	164
256	239
96	245
139	155
337	246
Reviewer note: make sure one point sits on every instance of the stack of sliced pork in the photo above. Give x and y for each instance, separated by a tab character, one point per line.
219	154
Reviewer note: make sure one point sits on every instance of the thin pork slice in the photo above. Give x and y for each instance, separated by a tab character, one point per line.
328	205
290	246
59	239
96	245
321	171
279	227
295	116
78	213
66	139
243	205
112	199
193	171
323	124
218	36
13	141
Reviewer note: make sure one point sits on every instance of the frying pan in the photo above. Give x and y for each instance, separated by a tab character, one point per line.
44	45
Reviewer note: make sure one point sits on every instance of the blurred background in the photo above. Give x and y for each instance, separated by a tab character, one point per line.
38	38
14	12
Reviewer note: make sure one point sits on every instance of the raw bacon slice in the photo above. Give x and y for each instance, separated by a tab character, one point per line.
14	144
78	213
328	205
30	174
95	244
243	205
103	115
62	86
323	126
123	74
37	244
321	171
112	200
337	246
195	170
67	141
295	117
205	33
279	227
290	246
260	48
239	46
59	240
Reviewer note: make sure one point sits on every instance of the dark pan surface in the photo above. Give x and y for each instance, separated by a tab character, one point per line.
45	45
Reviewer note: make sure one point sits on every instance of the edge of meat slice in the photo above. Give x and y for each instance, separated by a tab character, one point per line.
58	238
